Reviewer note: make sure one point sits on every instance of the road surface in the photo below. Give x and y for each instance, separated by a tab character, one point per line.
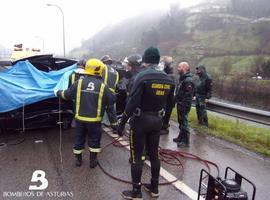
40	151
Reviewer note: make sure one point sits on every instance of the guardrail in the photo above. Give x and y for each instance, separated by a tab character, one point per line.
250	114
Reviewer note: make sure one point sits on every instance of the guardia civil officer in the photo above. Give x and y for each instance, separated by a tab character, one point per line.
110	77
203	94
151	95
166	64
91	96
183	97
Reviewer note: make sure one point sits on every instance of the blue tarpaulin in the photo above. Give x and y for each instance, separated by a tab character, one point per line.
23	84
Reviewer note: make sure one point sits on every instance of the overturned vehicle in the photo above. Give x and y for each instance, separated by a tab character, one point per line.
26	92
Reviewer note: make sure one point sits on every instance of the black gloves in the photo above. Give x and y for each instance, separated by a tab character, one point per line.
121	126
57	93
120	129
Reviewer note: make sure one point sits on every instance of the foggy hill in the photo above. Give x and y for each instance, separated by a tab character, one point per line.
205	33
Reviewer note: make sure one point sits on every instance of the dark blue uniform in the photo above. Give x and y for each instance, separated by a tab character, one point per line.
91	96
151	96
111	77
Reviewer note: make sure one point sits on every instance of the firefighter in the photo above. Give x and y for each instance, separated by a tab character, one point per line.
151	94
110	77
91	96
78	73
183	97
203	94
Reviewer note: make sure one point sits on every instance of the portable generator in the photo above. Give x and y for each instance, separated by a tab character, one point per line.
211	188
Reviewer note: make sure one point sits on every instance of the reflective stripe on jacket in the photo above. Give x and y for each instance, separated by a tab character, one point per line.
91	96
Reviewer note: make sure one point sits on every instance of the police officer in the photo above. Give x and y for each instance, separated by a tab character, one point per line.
78	73
151	94
91	96
203	94
183	97
132	65
166	62
110	77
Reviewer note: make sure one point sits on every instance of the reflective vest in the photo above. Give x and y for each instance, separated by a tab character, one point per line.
110	77
91	96
74	77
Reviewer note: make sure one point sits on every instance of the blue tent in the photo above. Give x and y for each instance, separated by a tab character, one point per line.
23	84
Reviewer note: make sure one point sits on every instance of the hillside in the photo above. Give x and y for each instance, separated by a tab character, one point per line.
206	33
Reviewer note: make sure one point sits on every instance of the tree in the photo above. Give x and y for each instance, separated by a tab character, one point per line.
265	68
226	66
150	38
258	61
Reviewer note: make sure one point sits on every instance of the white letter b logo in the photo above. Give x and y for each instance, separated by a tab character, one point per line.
39	175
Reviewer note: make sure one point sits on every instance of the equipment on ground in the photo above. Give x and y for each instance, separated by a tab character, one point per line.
229	188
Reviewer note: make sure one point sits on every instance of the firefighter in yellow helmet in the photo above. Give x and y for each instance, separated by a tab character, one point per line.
91	96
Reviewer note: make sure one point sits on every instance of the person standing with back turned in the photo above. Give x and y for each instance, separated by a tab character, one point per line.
91	97
151	95
110	77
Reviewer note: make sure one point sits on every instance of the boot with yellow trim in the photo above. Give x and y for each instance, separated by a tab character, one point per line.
93	162
78	161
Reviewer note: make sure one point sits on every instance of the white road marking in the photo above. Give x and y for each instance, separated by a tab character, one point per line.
165	174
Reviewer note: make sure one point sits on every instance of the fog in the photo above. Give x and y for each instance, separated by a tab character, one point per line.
31	22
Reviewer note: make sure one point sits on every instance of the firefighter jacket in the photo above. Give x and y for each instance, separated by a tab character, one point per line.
204	85
76	75
185	90
91	96
152	91
110	77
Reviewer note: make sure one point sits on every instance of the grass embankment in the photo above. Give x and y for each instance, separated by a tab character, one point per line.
240	64
253	138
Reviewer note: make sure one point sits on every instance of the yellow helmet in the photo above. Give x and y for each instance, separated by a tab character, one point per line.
94	67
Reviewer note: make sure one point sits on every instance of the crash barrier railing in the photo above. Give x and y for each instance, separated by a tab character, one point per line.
250	114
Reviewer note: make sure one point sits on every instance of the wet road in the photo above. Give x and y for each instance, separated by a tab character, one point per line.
40	151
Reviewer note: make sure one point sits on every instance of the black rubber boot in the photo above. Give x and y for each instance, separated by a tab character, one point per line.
152	188
114	128
182	144
164	131
136	193
78	161
185	141
178	139
93	160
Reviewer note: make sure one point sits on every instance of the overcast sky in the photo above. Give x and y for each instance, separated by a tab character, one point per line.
27	21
